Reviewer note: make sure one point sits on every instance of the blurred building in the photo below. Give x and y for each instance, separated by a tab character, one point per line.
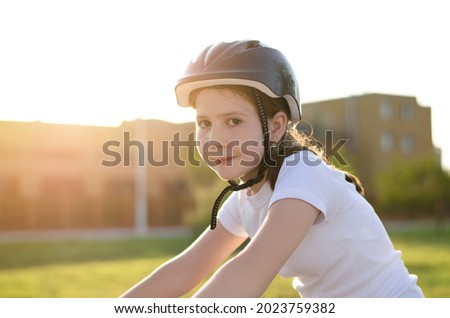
85	177
379	130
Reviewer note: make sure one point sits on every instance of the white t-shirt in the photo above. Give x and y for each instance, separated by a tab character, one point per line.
346	253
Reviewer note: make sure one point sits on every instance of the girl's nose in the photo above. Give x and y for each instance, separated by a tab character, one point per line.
214	145
217	138
212	149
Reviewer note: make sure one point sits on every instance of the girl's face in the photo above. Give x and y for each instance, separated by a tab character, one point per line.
229	133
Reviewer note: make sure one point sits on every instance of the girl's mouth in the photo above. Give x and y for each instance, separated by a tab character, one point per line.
223	161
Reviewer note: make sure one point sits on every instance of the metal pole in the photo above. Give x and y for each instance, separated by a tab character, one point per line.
140	199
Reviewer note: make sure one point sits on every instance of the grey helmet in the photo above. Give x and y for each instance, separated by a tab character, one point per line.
247	63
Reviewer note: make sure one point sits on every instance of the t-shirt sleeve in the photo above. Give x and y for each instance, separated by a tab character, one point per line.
229	216
304	176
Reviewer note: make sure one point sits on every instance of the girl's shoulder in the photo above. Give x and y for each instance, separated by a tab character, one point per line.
305	156
307	170
304	162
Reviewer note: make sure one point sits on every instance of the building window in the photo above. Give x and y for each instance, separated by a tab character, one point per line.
387	141
407	144
406	111
386	110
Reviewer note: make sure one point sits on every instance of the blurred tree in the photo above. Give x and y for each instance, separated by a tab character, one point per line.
416	189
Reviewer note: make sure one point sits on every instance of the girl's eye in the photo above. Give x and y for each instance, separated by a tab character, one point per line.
203	124
233	122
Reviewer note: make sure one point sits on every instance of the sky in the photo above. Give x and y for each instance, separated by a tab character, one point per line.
102	62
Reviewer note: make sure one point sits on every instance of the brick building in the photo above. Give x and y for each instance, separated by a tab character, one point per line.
380	129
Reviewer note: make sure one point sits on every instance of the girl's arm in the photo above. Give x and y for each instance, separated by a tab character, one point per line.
182	273
251	271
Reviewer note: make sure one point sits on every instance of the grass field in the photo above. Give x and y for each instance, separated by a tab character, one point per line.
108	268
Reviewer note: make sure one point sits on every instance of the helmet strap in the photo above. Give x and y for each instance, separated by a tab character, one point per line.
265	163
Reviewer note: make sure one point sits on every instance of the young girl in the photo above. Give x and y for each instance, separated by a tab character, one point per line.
305	219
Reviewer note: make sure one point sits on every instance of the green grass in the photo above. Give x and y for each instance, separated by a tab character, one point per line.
108	268
427	254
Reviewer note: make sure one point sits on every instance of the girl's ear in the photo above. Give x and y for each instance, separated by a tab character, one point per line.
277	125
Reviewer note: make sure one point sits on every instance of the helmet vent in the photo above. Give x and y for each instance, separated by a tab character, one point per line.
241	46
253	44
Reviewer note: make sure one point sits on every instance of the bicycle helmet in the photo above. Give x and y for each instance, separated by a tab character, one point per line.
248	63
